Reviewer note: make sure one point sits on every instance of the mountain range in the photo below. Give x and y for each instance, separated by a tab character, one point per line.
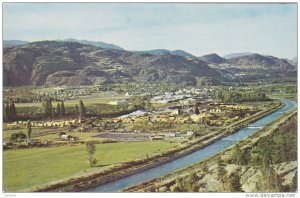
164	52
72	63
14	43
69	62
234	55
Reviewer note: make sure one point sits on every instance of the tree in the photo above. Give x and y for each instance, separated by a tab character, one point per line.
53	112
221	173
149	106
28	129
81	109
178	186
197	112
58	109
204	168
21	136
190	182
6	112
235	182
13	111
17	136
62	108
238	156
47	105
76	110
91	149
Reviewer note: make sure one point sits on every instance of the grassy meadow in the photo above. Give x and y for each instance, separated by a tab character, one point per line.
31	167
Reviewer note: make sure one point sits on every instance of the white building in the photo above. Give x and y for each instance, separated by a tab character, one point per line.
190	133
120	102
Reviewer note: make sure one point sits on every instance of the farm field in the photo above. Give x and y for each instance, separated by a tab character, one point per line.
30	167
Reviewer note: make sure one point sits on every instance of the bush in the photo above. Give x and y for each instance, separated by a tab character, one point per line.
18	136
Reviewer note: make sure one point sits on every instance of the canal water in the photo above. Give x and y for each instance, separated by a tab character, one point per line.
191	158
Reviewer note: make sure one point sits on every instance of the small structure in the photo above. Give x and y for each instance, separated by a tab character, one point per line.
188	101
153	138
175	112
169	134
65	136
119	102
190	133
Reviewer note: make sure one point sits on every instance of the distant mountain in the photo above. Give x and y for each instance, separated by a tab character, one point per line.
213	59
256	66
71	63
94	43
13	43
234	55
295	60
164	52
290	61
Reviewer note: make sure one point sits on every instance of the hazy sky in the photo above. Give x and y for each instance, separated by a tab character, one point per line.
196	28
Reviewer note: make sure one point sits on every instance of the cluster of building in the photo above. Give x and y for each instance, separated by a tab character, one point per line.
54	123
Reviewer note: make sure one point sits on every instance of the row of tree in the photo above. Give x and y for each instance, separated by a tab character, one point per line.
10	112
232	96
60	110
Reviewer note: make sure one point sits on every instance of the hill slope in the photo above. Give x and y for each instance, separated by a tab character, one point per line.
213	59
72	63
258	66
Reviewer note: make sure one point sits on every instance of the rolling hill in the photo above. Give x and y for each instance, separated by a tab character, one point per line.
256	66
213	59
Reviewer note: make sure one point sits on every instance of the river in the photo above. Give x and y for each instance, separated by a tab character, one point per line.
191	158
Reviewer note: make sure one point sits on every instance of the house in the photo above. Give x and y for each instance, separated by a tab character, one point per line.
153	138
119	102
215	110
169	134
175	112
190	133
65	136
187	101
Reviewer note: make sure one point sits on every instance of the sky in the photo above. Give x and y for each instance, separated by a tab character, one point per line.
196	28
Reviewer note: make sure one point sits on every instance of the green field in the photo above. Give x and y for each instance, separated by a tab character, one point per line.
31	167
85	100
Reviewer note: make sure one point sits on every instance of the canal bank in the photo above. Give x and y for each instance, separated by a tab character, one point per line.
196	156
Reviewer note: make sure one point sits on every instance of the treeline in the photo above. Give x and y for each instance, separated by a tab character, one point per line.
231	96
60	110
54	110
10	112
47	110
